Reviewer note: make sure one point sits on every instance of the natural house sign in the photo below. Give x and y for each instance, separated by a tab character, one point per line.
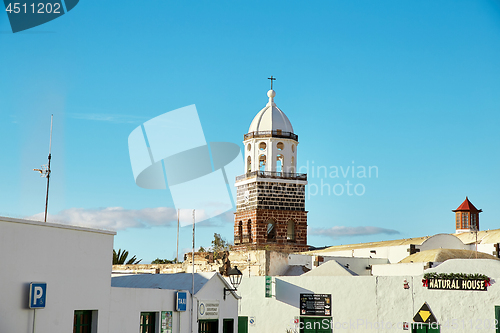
456	281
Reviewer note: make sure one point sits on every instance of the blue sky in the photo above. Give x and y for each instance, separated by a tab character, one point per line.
411	87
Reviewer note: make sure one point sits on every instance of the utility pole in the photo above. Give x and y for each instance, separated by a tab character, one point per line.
192	287
177	255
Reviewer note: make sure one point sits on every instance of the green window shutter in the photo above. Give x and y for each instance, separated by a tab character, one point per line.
82	322
228	326
416	328
242	324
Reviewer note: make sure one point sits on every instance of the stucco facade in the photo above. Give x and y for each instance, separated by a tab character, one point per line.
75	263
375	303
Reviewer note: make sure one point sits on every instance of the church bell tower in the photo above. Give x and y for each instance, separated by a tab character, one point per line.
270	204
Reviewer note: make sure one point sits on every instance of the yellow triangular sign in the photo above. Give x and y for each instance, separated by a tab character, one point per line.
425	315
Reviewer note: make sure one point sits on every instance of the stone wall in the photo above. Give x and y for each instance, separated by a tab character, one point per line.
271	195
251	263
253	231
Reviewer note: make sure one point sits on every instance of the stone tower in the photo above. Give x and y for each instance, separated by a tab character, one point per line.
270	204
467	217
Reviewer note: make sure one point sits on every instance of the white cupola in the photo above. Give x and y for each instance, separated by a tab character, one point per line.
271	118
270	144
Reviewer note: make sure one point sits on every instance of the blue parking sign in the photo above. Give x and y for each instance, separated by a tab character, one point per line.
38	294
181	301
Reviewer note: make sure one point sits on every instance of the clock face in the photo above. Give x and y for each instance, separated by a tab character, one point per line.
247	196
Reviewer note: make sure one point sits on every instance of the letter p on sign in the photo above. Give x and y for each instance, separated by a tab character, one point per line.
38	293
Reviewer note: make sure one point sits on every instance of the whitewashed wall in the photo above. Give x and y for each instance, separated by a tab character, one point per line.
362	304
393	253
213	290
358	265
74	262
412	269
128	303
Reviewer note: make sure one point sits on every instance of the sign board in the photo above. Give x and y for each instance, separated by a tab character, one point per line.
38	295
269	286
425	315
208	309
251	321
457	284
181	301
315	304
166	322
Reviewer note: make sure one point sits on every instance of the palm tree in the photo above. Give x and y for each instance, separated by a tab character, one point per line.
120	258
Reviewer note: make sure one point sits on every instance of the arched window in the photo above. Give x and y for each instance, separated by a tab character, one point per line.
292	165
280	146
249	147
249	164
271	231
290	231
249	230
262	146
240	233
262	162
279	163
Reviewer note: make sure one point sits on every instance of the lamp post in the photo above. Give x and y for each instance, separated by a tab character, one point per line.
235	276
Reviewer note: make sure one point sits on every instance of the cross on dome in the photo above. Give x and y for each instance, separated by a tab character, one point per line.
272	79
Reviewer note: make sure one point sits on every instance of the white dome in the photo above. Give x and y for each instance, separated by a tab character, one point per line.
270	118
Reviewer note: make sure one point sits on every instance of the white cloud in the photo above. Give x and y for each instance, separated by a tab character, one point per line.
119	218
342	231
113	218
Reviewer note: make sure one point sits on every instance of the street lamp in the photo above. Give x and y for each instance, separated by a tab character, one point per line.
235	276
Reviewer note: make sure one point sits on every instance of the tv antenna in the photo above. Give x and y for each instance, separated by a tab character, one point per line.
45	170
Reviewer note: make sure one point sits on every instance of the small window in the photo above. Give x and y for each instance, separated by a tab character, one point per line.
290	232
249	230
280	146
271	230
82	321
249	164
279	163
249	147
228	326
293	148
262	162
148	322
262	146
240	231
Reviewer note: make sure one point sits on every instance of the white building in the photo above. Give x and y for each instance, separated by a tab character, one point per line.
75	264
372	303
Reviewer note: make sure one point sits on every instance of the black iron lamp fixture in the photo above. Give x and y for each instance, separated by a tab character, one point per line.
235	276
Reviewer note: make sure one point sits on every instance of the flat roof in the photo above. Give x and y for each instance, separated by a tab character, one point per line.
55	225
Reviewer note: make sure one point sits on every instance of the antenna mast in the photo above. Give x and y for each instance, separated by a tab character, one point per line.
48	169
45	170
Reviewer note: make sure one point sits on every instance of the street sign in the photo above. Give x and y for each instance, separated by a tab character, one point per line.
316	304
181	303
38	293
424	315
208	309
269	286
